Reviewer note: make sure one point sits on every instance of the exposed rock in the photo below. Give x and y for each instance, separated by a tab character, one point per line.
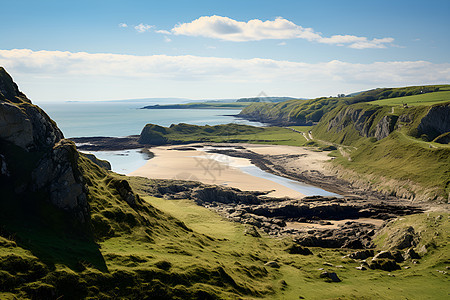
403	238
384	254
34	154
332	276
272	264
99	162
423	250
363	254
384	264
411	254
9	89
297	249
15	126
271	215
223	195
436	121
252	231
385	126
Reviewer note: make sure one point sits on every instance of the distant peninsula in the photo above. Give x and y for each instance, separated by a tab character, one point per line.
221	104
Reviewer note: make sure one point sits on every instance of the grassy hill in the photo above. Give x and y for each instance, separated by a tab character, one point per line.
390	150
189	252
307	112
415	100
229	133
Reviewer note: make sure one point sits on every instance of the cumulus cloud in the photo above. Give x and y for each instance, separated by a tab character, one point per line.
143	27
295	78
227	29
123	25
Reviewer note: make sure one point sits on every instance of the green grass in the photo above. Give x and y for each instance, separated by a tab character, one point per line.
311	111
229	133
415	100
211	257
401	164
405	159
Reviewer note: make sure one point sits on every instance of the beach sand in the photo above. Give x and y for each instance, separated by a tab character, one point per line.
211	168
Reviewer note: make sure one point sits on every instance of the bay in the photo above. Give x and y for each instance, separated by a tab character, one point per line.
118	119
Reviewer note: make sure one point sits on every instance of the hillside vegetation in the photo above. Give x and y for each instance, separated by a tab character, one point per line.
304	112
403	152
228	133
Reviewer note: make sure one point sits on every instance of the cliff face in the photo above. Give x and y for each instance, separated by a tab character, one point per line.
436	122
378	122
35	157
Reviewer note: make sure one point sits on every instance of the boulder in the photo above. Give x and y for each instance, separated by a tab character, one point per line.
384	264
297	249
332	276
363	254
272	264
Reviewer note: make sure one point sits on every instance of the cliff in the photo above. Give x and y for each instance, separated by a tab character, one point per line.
308	112
347	124
400	151
69	229
46	184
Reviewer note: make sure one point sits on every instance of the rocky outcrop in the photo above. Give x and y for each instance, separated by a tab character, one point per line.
378	122
153	135
58	174
436	122
272	215
35	157
385	126
99	162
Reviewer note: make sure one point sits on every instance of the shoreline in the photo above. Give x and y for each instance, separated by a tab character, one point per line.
196	164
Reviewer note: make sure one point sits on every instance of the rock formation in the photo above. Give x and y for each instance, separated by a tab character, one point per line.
35	157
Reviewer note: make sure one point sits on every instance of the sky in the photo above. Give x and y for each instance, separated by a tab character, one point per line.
117	49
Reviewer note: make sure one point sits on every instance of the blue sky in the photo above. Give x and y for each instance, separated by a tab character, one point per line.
98	50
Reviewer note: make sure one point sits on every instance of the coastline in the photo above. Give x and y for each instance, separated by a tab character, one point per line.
201	162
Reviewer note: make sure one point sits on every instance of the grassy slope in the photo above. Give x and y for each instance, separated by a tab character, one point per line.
237	252
399	156
423	99
176	249
298	111
230	133
218	258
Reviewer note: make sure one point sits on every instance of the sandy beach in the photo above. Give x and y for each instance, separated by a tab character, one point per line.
212	168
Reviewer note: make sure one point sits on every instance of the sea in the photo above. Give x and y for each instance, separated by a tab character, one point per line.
124	118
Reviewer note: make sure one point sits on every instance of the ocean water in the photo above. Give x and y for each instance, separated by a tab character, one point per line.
117	119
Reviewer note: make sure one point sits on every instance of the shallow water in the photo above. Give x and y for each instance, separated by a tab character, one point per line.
301	187
123	161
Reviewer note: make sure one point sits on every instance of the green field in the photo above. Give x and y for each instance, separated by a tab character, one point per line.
301	272
189	252
415	100
228	133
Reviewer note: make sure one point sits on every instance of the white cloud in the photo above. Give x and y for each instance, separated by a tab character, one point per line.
123	25
227	29
167	39
212	76
143	27
282	44
163	31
